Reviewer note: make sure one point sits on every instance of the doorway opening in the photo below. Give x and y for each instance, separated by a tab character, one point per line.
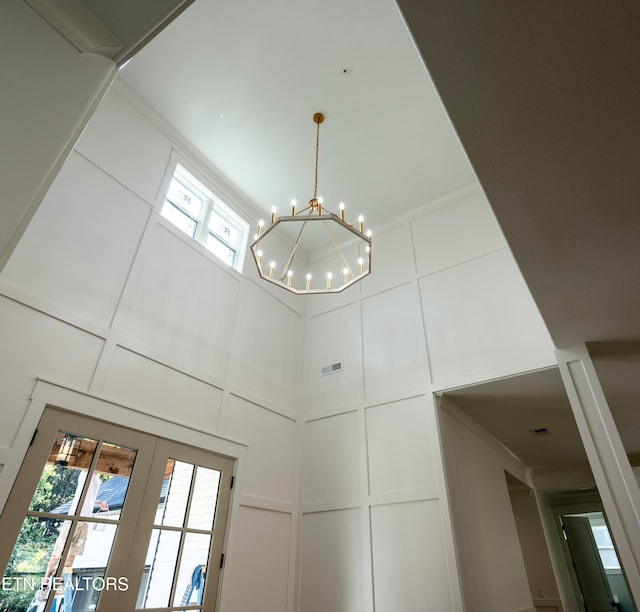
595	562
590	554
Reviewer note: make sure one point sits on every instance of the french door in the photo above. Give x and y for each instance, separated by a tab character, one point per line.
105	518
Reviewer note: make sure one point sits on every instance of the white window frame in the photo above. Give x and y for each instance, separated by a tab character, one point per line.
206	187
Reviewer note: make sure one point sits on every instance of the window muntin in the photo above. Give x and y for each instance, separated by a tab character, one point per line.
200	214
114	566
63	548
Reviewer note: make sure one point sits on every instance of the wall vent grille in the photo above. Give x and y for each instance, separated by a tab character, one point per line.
331	369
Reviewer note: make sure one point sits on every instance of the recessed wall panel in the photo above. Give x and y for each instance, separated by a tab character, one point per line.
79	247
318	303
479	317
36	345
394	349
259	576
271	439
332	576
455	233
126	145
399	445
183	305
392	261
409	563
334	337
268	357
140	382
332	458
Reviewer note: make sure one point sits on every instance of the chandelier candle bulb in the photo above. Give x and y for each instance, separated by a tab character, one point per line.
309	226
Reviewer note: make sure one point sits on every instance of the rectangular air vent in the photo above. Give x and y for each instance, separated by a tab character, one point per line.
331	369
540	431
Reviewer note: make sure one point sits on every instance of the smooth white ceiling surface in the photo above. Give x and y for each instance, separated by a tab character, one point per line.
241	80
511	408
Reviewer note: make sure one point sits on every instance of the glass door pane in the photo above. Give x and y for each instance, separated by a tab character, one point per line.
59	560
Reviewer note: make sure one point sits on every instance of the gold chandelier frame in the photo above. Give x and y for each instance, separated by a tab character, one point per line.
352	272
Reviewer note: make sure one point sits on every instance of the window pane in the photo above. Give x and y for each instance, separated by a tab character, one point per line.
191	576
84	570
162	558
205	495
175	502
221	227
58	489
185	198
179	219
33	558
220	250
108	489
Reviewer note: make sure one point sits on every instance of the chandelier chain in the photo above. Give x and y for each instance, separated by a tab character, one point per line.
315	182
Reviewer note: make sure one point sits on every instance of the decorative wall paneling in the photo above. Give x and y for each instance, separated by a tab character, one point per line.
446	307
104	297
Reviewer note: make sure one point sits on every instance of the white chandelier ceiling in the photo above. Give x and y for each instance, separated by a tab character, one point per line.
346	259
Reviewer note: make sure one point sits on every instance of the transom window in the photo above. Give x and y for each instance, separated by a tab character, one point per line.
200	214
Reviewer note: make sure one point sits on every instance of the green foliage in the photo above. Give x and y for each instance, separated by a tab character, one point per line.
37	536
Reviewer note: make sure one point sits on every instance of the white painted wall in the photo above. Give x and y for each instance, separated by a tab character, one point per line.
49	92
445	306
102	296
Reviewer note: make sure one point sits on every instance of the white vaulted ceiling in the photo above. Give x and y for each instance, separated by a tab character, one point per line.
242	80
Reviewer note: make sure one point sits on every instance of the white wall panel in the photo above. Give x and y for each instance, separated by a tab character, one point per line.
332	577
454	233
399	446
392	261
268	351
139	382
271	439
334	337
333	456
395	353
409	559
184	305
260	560
492	570
78	249
35	345
325	302
480	317
126	145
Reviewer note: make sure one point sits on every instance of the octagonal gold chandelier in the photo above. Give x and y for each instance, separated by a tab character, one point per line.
346	255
